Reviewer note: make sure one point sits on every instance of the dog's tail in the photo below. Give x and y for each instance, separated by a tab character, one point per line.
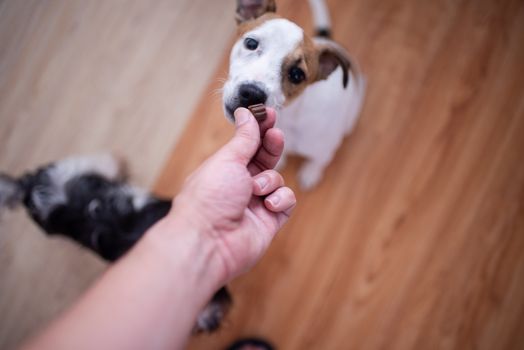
321	18
12	192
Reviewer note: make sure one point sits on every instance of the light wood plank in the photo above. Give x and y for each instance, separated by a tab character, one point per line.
83	77
414	239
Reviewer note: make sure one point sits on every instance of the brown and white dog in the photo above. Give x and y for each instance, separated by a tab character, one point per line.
312	81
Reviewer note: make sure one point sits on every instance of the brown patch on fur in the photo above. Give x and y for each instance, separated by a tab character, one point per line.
248	26
331	56
305	56
250	9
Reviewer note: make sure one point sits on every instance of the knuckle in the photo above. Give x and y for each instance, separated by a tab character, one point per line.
275	174
290	194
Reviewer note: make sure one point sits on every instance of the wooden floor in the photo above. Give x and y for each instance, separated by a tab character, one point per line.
83	77
415	238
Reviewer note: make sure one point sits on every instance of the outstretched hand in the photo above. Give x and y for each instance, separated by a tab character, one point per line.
221	223
235	198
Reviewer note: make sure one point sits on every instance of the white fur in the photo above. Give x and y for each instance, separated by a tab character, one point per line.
277	38
212	312
320	14
47	198
105	165
316	122
140	196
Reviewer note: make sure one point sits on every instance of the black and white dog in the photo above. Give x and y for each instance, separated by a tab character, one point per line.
88	200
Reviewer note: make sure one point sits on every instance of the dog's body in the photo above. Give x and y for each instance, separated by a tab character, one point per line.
314	137
88	200
317	87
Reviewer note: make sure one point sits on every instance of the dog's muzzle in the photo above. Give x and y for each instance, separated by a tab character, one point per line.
248	94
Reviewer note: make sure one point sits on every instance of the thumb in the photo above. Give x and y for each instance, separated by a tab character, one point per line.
246	141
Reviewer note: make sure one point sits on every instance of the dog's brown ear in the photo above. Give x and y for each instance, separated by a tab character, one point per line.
330	56
252	9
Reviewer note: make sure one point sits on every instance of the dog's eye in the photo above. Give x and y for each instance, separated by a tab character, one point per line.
251	44
296	75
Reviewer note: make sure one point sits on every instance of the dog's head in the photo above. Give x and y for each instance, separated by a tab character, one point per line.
273	60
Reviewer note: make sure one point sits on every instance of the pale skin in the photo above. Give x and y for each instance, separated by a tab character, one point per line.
222	222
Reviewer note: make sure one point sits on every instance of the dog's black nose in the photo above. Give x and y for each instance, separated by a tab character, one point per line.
250	94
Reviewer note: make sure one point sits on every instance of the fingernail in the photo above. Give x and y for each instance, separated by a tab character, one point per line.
274	200
241	116
262	182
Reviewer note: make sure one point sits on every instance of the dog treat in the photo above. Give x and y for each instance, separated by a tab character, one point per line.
259	111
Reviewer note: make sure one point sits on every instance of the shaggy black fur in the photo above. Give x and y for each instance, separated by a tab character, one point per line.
96	212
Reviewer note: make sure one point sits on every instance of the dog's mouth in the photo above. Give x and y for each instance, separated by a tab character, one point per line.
247	94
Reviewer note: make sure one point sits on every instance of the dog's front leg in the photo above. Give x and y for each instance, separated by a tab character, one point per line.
311	172
211	317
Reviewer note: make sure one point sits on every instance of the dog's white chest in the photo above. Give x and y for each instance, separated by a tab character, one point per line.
319	119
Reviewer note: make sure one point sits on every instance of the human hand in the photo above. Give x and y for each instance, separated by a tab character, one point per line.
235	199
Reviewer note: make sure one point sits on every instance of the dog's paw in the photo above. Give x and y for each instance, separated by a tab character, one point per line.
309	176
211	317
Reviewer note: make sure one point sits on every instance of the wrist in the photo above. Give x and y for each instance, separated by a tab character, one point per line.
179	244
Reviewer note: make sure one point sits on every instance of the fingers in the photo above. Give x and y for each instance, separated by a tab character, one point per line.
269	122
245	143
267	182
281	201
269	154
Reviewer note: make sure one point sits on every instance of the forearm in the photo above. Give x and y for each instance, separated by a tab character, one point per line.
152	295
